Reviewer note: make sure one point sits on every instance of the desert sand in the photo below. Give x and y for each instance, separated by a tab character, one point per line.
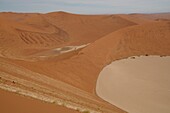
13	103
137	84
46	56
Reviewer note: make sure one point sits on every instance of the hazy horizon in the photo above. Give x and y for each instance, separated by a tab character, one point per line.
86	7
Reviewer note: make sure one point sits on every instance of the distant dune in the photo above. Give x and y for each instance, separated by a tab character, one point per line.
59	55
37	32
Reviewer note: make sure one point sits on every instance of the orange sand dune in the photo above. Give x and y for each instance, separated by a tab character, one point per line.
156	16
150	38
146	18
87	28
71	77
18	104
84	66
39	32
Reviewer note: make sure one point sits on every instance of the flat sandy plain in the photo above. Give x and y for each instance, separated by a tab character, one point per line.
137	85
54	59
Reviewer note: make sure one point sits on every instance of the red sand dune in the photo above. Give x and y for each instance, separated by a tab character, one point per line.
18	104
111	37
150	38
38	32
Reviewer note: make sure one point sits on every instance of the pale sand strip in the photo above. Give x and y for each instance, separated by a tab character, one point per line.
140	85
60	51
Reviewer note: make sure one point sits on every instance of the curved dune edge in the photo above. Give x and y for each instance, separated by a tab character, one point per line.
15	103
135	84
20	80
40	95
44	93
44	98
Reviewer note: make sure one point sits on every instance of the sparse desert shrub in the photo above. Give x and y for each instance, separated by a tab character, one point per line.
80	53
63	104
77	109
162	55
132	57
86	111
53	102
